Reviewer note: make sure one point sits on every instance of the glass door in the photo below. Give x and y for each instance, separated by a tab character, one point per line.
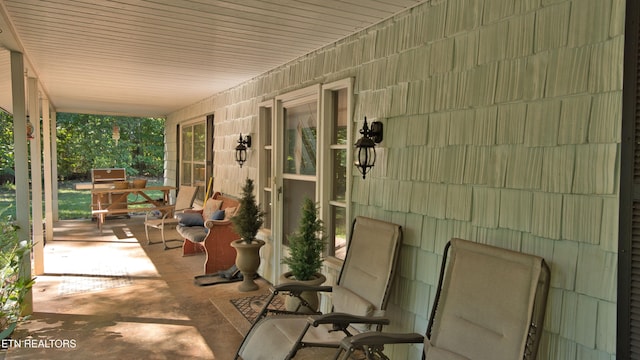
299	159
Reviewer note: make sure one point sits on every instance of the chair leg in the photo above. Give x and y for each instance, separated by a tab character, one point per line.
146	231
164	241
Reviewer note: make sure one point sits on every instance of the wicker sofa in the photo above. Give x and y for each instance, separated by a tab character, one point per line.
210	230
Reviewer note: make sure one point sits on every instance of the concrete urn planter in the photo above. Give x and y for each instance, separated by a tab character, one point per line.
247	261
311	297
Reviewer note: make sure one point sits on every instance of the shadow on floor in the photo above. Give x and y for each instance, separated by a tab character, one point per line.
110	296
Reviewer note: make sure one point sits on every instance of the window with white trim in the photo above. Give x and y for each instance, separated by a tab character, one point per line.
193	156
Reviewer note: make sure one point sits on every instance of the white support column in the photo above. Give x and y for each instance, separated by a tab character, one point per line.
36	177
21	158
54	164
47	134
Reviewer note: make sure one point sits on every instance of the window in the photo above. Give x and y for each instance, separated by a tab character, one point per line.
193	157
265	164
337	118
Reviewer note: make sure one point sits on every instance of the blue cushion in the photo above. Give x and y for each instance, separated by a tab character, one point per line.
190	219
217	215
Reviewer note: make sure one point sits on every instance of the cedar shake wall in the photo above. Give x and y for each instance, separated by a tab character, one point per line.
502	125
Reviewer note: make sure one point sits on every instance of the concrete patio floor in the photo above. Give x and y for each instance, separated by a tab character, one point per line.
110	295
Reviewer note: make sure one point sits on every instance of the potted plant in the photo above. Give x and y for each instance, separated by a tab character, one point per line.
305	256
14	286
246	222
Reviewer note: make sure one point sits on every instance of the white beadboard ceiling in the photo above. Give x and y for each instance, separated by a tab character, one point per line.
152	57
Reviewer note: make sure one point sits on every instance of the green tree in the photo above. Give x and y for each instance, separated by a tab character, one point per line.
6	148
306	245
86	142
248	220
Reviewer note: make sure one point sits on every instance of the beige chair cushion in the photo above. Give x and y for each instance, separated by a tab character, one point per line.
486	303
369	266
344	300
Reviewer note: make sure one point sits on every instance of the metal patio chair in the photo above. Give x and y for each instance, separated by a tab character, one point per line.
490	304
361	293
184	200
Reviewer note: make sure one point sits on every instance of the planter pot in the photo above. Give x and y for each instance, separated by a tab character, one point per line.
139	183
247	261
311	297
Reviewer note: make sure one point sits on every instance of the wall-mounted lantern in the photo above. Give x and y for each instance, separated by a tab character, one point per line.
366	156
241	149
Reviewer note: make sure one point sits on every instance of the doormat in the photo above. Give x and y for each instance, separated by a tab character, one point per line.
250	306
98	277
84	283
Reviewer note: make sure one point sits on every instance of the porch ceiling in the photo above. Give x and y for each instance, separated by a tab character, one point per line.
152	57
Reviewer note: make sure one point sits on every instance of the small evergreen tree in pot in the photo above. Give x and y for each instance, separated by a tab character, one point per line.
246	222
305	259
306	245
249	217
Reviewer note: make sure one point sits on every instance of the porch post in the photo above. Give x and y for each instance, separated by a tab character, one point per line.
36	175
48	186
48	179
54	165
21	158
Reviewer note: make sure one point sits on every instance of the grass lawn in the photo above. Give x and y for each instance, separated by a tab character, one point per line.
72	204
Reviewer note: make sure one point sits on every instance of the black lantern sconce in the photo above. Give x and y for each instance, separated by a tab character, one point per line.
241	149
366	145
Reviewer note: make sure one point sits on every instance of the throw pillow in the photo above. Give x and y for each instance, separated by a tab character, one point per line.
190	219
218	215
210	207
229	212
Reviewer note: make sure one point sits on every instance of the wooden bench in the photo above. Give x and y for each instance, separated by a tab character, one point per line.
214	237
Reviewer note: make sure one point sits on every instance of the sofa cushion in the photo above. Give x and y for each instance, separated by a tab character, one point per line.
193	233
211	207
230	212
190	219
217	215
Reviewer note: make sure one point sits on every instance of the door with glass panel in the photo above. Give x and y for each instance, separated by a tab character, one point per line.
299	159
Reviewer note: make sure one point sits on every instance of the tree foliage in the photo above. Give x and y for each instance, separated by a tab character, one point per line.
86	142
248	220
306	245
7	163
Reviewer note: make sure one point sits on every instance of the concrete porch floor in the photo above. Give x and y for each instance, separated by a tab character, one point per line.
110	295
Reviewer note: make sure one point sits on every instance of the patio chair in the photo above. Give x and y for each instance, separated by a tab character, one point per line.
184	200
361	292
490	304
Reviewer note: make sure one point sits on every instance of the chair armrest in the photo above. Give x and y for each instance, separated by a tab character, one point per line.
298	288
338	318
375	339
210	224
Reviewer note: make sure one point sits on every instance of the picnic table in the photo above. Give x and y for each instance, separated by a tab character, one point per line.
113	201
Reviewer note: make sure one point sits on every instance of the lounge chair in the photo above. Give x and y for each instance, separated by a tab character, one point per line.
490	304
361	292
184	200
